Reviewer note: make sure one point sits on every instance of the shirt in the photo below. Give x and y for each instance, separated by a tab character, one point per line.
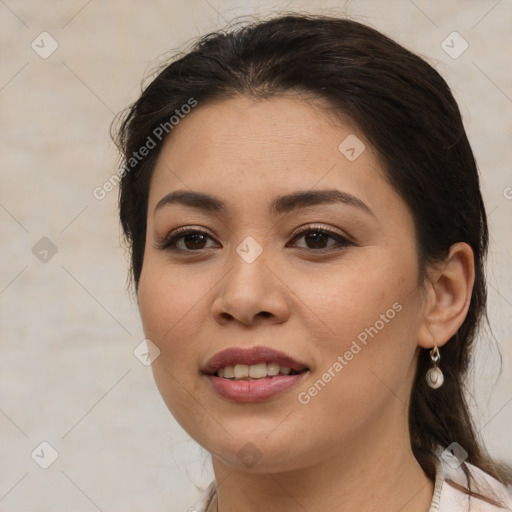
447	498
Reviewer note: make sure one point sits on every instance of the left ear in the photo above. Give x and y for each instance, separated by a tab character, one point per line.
448	288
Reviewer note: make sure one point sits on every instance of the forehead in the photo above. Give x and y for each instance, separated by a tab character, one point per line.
246	125
245	147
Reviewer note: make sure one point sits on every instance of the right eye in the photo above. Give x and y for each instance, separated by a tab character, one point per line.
185	240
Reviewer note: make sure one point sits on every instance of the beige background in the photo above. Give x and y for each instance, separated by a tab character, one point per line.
68	326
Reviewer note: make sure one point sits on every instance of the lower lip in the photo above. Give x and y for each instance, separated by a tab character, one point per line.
254	390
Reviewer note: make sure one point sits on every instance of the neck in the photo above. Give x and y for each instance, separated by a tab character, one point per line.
374	470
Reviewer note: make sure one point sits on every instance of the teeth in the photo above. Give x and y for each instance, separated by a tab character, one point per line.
273	369
241	371
253	371
257	371
229	372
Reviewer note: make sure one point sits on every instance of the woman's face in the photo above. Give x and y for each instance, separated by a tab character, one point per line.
341	299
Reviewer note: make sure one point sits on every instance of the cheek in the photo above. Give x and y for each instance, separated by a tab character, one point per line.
351	295
369	307
168	303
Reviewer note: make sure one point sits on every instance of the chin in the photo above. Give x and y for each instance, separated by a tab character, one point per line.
259	452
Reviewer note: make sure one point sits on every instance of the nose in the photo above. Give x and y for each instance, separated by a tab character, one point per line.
251	293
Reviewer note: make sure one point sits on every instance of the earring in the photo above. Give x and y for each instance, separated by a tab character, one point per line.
435	377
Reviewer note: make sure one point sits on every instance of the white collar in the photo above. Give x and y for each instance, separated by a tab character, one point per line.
447	498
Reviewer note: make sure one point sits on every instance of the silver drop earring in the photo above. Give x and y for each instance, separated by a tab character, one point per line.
434	376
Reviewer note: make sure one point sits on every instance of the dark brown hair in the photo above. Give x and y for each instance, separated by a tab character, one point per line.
407	112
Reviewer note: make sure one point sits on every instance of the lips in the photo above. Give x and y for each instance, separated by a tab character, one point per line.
250	356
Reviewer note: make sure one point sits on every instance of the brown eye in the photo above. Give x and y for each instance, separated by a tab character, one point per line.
186	240
316	240
194	241
320	238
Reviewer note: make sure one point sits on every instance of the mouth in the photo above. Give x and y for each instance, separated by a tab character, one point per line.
255	371
253	375
252	364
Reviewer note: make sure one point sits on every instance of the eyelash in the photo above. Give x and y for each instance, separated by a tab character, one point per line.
169	243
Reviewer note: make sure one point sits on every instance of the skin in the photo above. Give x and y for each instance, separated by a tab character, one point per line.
348	448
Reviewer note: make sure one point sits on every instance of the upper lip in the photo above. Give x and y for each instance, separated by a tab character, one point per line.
254	355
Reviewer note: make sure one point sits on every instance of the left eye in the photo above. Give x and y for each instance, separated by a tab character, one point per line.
318	238
193	240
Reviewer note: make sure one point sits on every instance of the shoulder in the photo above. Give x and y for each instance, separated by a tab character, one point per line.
452	499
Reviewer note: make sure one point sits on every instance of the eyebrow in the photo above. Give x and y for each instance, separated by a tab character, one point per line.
282	204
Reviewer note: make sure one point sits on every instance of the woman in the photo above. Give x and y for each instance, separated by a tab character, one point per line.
307	241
